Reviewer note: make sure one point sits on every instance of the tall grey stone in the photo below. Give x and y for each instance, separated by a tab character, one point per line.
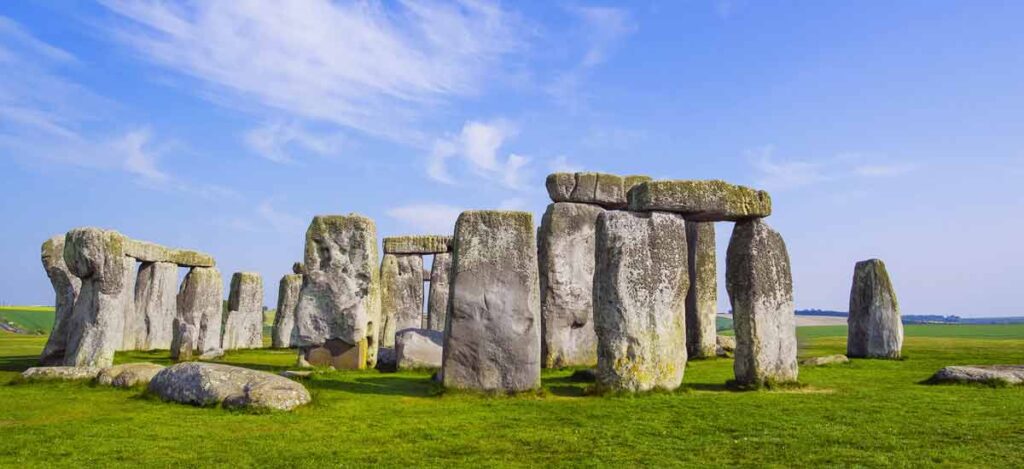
66	287
97	320
340	297
566	257
156	290
760	287
640	284
133	336
437	301
197	326
702	298
401	282
284	333
875	327
492	336
243	327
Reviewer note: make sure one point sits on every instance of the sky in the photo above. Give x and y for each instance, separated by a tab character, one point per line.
882	129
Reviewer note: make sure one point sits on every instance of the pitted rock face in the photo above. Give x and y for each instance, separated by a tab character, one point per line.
298	268
437	302
423	244
284	331
875	326
98	255
150	252
243	328
640	284
492	337
710	200
566	256
606	190
156	289
197	326
66	287
760	289
702	297
340	296
205	384
986	374
402	294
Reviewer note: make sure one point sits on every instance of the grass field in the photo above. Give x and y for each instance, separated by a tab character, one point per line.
37	319
869	412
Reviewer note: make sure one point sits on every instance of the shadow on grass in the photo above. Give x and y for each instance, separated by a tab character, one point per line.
567	390
384	385
18	363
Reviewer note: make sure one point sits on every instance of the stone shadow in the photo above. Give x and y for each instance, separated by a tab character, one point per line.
383	385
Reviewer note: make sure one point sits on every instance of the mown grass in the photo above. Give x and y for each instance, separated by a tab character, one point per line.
34	319
868	412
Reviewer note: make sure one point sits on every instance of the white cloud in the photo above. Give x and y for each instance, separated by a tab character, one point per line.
427	218
478	144
368	66
277	141
884	170
138	158
601	31
561	164
775	174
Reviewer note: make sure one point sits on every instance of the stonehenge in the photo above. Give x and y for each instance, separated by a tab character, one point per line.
66	286
875	328
605	190
701	200
402	276
702	297
492	334
156	289
437	299
243	325
339	307
284	333
418	349
197	326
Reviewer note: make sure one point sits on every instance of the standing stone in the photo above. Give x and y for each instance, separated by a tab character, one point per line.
401	280
66	286
640	284
133	336
197	326
492	337
97	321
875	327
712	200
606	190
284	332
566	256
156	289
702	298
760	288
243	328
437	302
340	297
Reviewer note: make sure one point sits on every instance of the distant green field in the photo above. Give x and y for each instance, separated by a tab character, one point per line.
37	319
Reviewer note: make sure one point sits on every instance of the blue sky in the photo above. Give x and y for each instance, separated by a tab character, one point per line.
882	129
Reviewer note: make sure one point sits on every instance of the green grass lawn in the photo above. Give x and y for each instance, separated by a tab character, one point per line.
37	319
868	412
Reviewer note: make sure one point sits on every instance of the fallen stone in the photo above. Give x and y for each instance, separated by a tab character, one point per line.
712	200
340	295
492	337
760	287
826	360
243	327
418	349
197	326
728	343
437	301
425	244
566	257
702	297
145	251
61	373
401	281
292	374
284	334
66	287
606	190
875	329
640	284
212	354
128	375
207	384
156	289
985	374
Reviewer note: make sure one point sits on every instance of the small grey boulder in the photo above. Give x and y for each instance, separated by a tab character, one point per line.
128	374
207	384
418	348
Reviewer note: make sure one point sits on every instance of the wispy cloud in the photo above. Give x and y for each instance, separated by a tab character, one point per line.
427	218
782	174
600	32
884	170
478	145
775	174
277	141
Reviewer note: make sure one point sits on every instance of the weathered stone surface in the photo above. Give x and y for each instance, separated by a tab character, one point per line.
212	354
156	290
206	384
284	332
702	297
66	287
128	374
826	360
337	354
296	374
606	190
875	329
710	200
149	252
133	336
243	327
401	282
387	360
566	257
492	336
97	321
419	348
197	326
985	374
640	284
340	295
760	287
424	244
298	268
61	373
728	343
437	299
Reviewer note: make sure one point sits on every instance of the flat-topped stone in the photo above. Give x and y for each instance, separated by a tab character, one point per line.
986	374
61	373
424	244
701	200
606	190
146	251
205	384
